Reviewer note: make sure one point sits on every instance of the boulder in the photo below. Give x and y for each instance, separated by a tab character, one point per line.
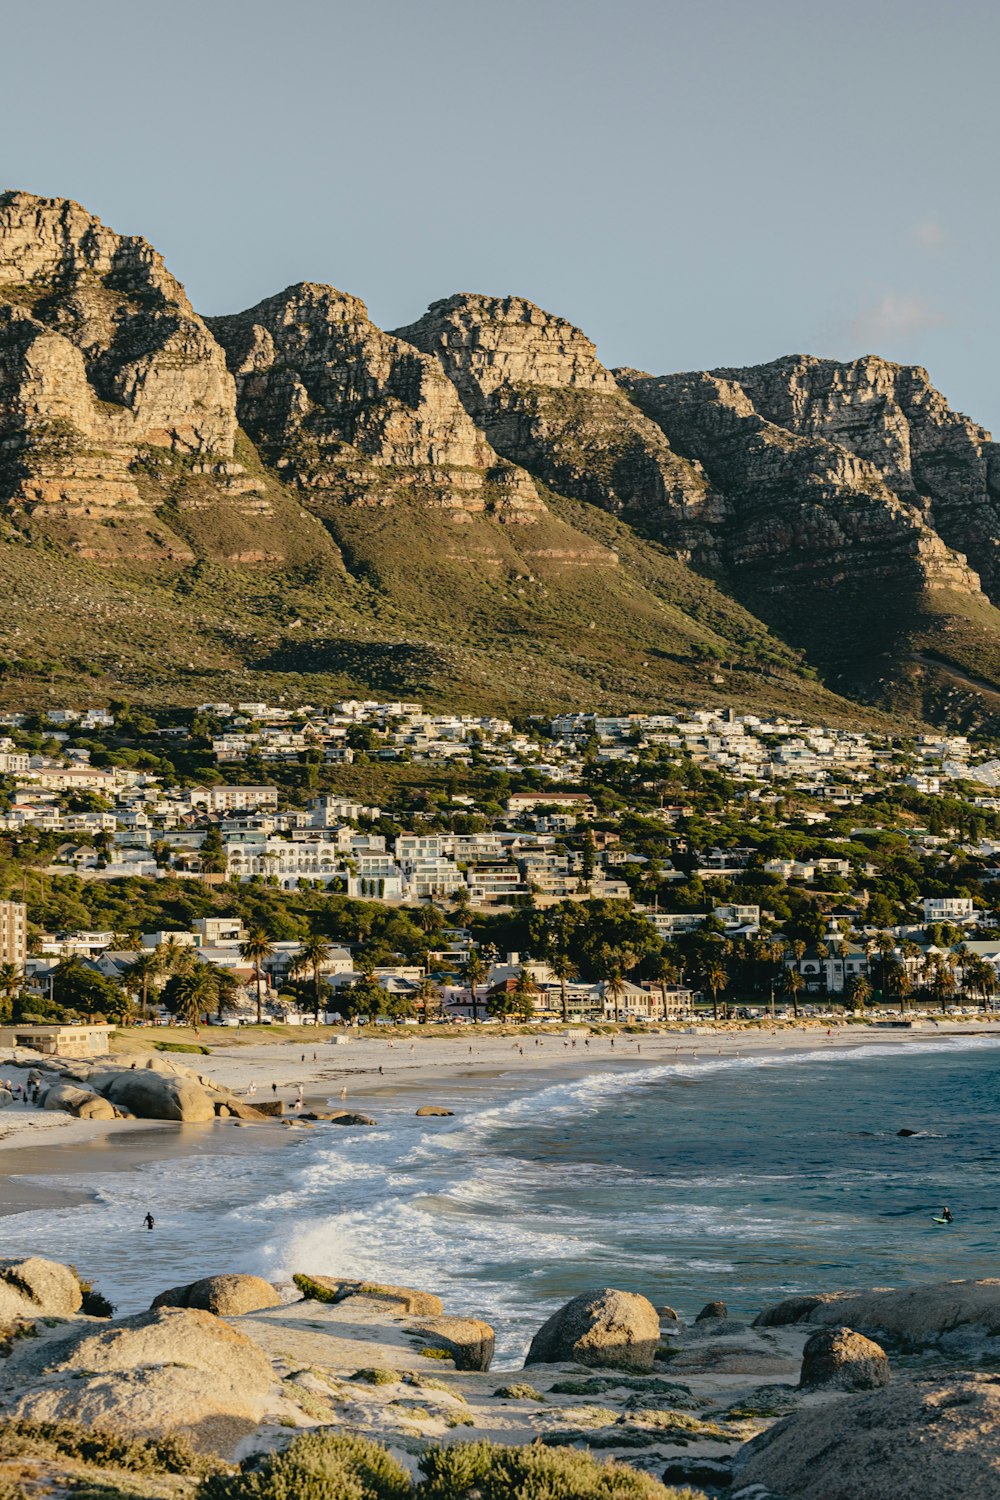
469	1342
668	1314
81	1103
155	1096
345	1117
35	1287
227	1296
954	1315
433	1109
6	1098
405	1299
842	1360
241	1111
171	1371
712	1310
604	1328
269	1109
938	1435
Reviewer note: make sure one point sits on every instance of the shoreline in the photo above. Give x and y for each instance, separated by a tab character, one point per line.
450	1075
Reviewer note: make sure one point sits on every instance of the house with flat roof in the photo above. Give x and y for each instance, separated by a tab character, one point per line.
86	1039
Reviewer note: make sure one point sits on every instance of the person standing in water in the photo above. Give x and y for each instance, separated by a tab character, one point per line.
149	1221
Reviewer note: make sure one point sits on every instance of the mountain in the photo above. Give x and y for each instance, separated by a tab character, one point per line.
471	509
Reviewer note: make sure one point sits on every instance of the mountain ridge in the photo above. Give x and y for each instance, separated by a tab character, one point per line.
303	493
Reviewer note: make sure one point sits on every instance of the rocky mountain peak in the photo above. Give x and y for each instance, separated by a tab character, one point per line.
353	413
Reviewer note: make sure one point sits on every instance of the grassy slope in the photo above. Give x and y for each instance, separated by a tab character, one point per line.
400	600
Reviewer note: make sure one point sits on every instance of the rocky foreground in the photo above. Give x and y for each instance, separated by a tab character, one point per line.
338	1389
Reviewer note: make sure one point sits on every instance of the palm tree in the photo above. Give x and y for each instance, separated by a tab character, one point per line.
314	953
943	980
144	970
564	969
10	980
255	947
716	977
426	994
614	986
227	989
194	993
898	982
791	982
175	957
475	974
859	991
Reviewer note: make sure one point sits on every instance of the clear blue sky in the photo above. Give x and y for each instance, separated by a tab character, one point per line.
694	182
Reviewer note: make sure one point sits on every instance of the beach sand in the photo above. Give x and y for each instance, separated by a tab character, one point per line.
446	1071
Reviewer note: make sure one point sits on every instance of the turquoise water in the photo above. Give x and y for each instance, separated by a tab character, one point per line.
741	1179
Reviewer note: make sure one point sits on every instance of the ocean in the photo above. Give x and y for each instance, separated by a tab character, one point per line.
740	1179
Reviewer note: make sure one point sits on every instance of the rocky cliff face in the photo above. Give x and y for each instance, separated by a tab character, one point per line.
353	414
102	356
534	384
934	459
117	411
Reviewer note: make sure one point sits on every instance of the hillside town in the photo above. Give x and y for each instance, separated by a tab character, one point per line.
373	860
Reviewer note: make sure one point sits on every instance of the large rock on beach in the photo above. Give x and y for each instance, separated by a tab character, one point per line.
604	1328
470	1342
938	1435
433	1110
956	1315
81	1103
712	1310
842	1360
227	1296
402	1299
38	1288
155	1096
169	1371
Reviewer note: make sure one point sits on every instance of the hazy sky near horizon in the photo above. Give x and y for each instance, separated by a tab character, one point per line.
694	184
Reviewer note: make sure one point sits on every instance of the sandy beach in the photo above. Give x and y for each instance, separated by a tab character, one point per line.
446	1071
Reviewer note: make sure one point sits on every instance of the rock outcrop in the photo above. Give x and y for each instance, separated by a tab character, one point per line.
34	1287
227	1296
81	1103
151	1096
534	384
934	1436
960	1315
469	1341
170	1371
405	1299
101	356
353	414
603	1329
840	1359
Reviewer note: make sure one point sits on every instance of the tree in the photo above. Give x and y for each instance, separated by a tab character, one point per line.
663	968
254	949
518	1002
193	993
564	969
144	970
942	985
897	982
716	978
426	994
11	979
791	983
859	992
614	987
475	974
314	953
227	990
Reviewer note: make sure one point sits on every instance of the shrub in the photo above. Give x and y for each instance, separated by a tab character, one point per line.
182	1047
520	1390
112	1450
376	1376
488	1471
315	1466
312	1289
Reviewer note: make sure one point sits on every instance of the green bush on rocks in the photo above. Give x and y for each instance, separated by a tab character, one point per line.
315	1466
488	1471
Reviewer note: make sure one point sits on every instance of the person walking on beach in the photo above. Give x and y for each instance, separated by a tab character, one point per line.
149	1221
